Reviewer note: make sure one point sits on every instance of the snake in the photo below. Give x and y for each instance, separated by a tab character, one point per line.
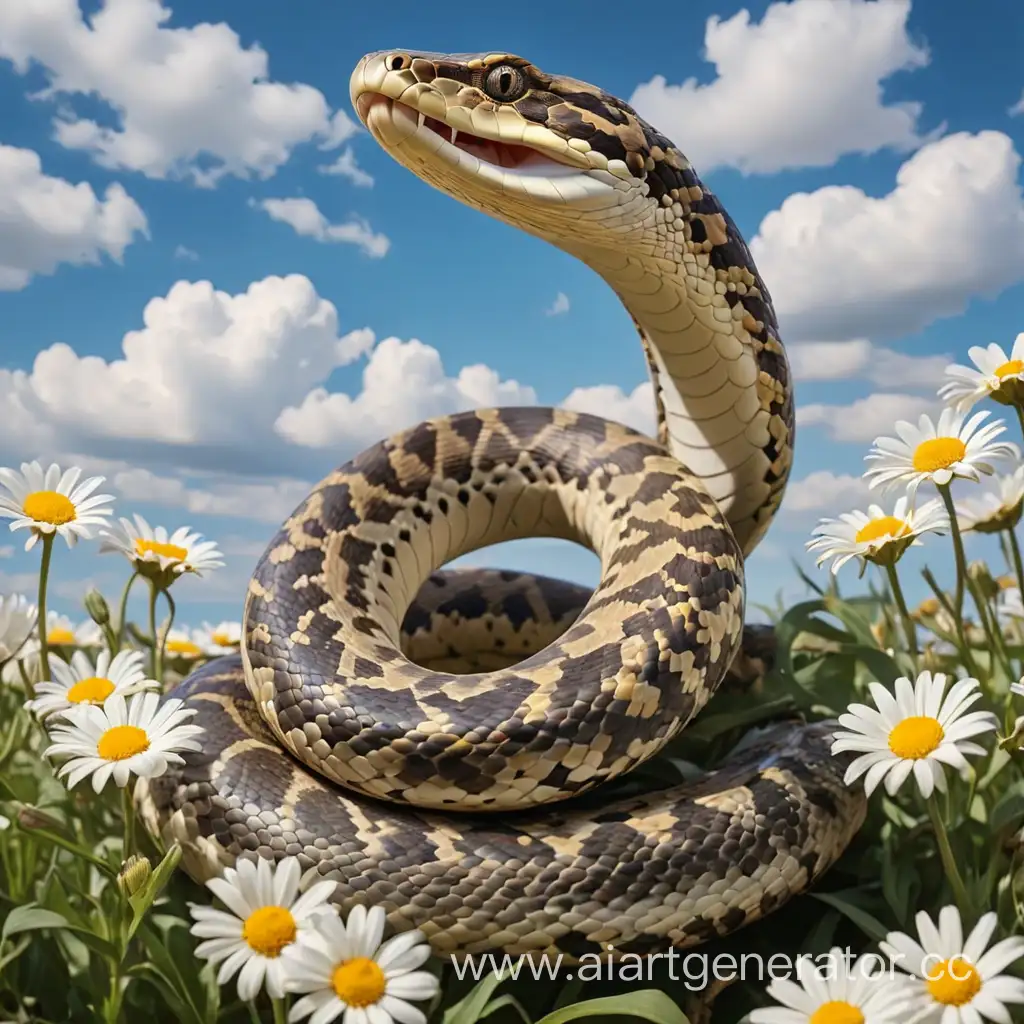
445	742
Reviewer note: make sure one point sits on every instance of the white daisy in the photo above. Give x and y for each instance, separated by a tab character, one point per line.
85	682
184	643
347	973
267	914
155	552
1009	604
956	982
916	731
17	620
875	535
997	376
117	739
45	502
836	992
993	511
223	638
937	452
62	632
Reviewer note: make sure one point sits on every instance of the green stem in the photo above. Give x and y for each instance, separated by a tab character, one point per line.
956	882
1020	416
1018	565
961	574
122	613
156	659
129	820
44	575
280	1010
166	628
908	623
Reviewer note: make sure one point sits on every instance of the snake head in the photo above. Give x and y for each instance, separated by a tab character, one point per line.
547	154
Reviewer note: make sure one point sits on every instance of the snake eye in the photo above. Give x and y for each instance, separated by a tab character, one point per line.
397	61
505	83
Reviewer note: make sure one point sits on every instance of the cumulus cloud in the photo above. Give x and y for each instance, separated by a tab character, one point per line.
346	167
215	381
187	102
843	264
206	367
183	252
404	382
860	359
824	490
305	218
636	409
559	306
47	221
859	421
781	98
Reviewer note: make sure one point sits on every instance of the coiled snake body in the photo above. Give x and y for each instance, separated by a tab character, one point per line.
396	726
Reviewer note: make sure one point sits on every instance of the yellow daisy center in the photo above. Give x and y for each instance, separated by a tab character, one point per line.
882	527
94	690
929	606
359	982
59	635
915	737
49	507
954	982
1009	368
837	1012
144	547
222	640
268	930
938	453
122	741
183	647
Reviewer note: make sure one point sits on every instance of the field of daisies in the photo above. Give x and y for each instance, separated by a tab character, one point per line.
922	919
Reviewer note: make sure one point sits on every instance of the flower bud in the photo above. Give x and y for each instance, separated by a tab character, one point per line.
978	573
31	817
134	875
97	607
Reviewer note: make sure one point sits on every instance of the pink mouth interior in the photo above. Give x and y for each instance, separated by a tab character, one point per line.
503	154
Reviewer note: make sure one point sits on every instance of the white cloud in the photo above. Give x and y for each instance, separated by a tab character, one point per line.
404	382
6	551
824	490
183	252
559	306
47	221
267	501
866	418
798	89
305	218
1018	107
189	101
206	367
842	264
636	410
345	166
859	359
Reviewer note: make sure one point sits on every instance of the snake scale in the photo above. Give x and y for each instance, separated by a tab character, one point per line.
412	733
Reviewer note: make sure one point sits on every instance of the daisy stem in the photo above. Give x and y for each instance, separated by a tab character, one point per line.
1018	565
167	625
1020	416
280	1010
956	883
901	604
129	819
44	574
122	614
157	656
961	562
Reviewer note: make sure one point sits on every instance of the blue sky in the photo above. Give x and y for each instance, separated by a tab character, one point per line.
214	288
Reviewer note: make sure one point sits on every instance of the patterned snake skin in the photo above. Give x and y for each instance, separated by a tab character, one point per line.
396	726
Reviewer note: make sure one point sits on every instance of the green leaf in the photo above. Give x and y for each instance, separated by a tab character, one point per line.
471	1007
647	1004
505	1000
867	923
31	917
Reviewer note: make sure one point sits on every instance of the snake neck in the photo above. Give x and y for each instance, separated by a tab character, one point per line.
718	374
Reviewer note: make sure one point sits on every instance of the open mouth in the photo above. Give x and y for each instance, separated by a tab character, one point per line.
508	155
